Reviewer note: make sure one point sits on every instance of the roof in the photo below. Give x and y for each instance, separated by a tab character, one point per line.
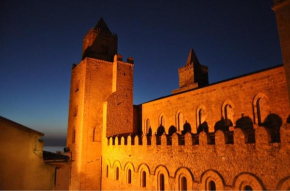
53	156
19	126
192	58
102	25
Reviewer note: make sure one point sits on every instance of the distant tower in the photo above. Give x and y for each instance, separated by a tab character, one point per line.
282	10
192	75
101	104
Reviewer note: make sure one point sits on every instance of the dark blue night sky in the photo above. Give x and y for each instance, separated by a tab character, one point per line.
41	39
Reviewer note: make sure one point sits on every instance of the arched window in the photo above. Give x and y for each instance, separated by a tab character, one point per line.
117	173
147	126
211	186
161	182
228	112
75	111
261	108
180	121
143	179
107	171
129	176
162	120
248	188
183	183
74	135
200	113
77	86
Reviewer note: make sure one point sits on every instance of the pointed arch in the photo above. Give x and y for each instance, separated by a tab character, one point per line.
228	112
201	116
162	120
261	108
146	126
179	120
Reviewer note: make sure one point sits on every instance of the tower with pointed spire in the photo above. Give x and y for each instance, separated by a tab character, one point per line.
192	75
101	104
100	43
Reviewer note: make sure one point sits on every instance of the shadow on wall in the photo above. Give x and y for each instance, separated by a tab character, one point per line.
202	127
186	128
171	130
272	123
160	130
223	125
246	124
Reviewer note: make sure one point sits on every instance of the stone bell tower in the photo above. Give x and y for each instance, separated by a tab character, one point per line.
192	75
100	43
101	104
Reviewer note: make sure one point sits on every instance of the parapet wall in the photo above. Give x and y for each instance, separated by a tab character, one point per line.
237	137
230	163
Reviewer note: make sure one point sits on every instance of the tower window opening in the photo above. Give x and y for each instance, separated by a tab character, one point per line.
107	171
74	136
94	131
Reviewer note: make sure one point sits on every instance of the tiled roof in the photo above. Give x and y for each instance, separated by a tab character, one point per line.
53	156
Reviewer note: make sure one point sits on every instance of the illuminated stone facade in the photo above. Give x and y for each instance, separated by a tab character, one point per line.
231	135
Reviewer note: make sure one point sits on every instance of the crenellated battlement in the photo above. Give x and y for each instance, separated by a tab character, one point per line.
185	67
105	32
237	138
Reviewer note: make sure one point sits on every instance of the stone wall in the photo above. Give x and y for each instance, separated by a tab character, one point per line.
248	101
21	160
231	166
101	91
90	88
120	103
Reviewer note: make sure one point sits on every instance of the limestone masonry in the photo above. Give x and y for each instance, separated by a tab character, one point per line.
231	135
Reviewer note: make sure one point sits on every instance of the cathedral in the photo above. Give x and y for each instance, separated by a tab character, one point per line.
231	135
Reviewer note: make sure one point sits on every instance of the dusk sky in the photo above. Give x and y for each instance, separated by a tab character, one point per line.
41	39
